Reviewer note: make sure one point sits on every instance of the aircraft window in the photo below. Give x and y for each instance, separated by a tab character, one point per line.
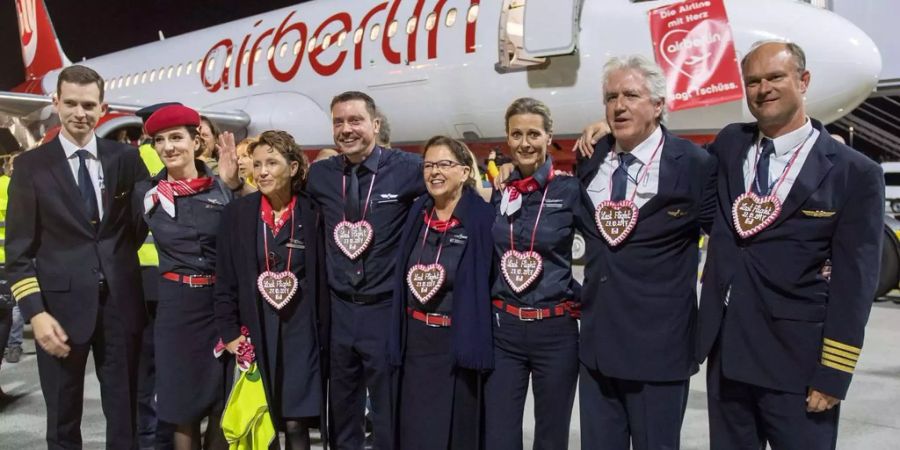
271	53
228	60
473	14
411	25
297	47
392	29
357	37
169	73
128	81
143	77
162	72
283	50
256	55
209	66
120	82
106	85
178	70
187	69
153	75
341	38
311	44
326	41
376	30
246	57
199	63
430	21
451	17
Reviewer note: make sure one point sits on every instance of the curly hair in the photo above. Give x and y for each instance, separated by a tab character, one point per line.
284	144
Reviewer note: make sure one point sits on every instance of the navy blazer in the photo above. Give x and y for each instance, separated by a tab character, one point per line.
639	298
787	327
472	344
237	300
55	256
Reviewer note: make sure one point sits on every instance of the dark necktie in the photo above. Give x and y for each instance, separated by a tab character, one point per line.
620	176
351	208
761	184
86	186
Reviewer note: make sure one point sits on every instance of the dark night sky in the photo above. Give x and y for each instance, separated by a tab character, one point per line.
89	28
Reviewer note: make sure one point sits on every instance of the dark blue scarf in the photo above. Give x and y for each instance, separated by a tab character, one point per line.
472	338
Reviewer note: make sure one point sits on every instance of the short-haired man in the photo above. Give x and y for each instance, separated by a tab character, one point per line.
653	193
782	336
72	263
365	191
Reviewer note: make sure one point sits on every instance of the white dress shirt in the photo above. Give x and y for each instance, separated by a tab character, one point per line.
785	146
599	188
93	165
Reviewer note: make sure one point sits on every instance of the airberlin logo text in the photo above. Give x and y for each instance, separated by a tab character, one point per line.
292	29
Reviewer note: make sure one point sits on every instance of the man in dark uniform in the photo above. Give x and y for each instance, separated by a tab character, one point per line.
639	298
782	335
72	263
365	187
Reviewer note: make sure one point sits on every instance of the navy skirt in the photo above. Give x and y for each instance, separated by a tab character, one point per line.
190	381
439	405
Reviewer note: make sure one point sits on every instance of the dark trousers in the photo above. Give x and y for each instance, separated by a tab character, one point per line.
359	362
619	414
5	327
116	353
545	351
744	416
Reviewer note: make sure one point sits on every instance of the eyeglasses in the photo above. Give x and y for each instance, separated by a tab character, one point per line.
444	164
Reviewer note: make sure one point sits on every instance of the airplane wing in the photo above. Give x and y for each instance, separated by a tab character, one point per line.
21	105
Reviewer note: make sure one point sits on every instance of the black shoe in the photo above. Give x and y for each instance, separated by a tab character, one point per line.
14	354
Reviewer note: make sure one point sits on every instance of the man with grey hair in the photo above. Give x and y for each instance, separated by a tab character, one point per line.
653	192
788	282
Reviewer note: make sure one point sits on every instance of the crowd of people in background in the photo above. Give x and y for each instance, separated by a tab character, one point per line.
418	295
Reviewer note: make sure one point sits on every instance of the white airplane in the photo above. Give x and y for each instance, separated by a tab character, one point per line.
433	66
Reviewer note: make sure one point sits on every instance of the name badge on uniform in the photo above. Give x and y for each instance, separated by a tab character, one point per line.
295	243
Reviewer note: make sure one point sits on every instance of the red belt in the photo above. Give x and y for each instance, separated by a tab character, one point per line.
532	314
430	319
191	280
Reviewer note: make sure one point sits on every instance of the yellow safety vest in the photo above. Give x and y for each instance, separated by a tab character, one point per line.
147	253
4	201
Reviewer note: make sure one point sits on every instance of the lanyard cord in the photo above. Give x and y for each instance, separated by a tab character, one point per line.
266	244
425	238
641	177
784	172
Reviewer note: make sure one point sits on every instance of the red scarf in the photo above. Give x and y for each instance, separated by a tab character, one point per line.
525	185
268	216
440	225
166	191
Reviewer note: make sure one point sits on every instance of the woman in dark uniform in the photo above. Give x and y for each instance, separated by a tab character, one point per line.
182	206
442	276
535	334
269	278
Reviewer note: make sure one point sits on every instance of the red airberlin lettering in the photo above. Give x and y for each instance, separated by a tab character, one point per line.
292	30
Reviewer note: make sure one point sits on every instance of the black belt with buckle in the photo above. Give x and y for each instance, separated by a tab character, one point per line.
362	299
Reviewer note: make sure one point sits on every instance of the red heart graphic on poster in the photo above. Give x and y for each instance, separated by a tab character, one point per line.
696	53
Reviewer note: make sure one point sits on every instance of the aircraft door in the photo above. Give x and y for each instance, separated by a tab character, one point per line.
532	30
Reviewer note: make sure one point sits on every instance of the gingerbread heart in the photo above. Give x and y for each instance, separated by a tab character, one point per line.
616	220
425	280
752	213
277	288
353	238
520	269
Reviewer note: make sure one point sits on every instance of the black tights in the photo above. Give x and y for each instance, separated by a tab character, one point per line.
187	436
296	433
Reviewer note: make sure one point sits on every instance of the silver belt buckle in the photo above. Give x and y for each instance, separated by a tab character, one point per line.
440	317
539	315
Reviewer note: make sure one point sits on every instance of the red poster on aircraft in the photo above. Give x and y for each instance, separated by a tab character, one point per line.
693	44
